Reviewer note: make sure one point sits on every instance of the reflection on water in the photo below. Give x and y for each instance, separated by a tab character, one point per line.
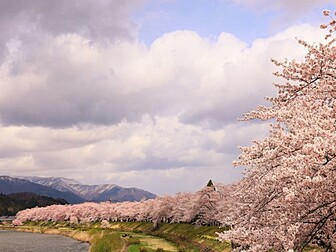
11	241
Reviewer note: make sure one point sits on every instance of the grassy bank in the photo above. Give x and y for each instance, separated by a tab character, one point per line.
185	236
136	237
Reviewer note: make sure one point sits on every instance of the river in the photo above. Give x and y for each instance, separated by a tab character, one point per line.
12	241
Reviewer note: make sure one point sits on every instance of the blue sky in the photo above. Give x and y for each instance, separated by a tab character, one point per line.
207	18
142	93
211	17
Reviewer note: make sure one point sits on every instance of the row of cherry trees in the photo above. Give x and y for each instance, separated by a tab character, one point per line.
201	208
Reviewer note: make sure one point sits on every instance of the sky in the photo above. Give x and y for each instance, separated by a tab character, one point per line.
141	93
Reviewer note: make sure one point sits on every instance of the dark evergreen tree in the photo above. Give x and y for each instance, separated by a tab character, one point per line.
210	183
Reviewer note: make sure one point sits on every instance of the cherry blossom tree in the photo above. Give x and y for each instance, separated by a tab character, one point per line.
205	206
287	199
197	208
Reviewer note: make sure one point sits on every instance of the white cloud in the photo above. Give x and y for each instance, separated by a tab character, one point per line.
298	6
284	13
152	153
117	111
72	82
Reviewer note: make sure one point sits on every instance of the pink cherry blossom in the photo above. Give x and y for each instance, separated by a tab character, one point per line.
288	197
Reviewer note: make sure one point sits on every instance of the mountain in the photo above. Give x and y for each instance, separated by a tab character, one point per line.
88	192
12	203
14	185
97	193
120	194
61	184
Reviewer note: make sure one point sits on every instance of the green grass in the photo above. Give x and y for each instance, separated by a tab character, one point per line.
133	248
107	242
141	236
186	237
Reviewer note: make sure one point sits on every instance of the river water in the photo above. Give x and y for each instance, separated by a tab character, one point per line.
12	241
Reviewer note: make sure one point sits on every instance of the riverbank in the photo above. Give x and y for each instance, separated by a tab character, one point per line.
12	241
135	236
82	236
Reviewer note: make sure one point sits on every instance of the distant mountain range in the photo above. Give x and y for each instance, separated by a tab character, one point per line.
14	185
71	190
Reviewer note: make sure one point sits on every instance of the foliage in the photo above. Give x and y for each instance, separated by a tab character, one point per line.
199	208
10	204
107	242
210	183
288	198
136	236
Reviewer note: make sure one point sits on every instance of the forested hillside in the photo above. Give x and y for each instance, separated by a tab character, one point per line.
12	203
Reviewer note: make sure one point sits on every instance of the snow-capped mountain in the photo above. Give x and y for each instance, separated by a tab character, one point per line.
61	184
102	192
15	185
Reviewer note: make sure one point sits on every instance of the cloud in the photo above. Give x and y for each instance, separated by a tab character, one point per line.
70	81
298	6
32	22
89	101
158	149
284	13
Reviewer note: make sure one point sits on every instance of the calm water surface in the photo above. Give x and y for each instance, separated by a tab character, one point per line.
11	241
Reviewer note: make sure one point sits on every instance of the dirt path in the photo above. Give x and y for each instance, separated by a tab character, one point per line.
154	242
124	247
